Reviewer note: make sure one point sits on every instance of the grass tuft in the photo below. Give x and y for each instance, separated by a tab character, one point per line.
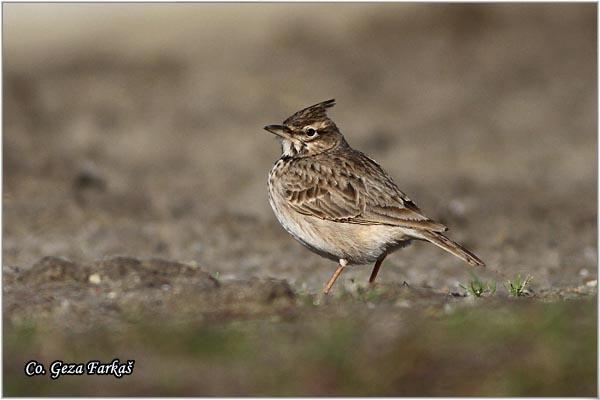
479	288
518	287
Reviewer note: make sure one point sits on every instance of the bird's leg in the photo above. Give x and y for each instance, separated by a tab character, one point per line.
335	275
376	268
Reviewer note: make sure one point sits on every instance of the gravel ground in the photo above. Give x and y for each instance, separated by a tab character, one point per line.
134	188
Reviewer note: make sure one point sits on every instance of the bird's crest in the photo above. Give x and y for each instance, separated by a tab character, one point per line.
314	113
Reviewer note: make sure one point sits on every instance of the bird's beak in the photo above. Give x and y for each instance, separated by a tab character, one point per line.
280	130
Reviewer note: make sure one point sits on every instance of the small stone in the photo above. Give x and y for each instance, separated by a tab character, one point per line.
402	303
89	177
457	207
584	272
112	295
592	283
95	279
590	253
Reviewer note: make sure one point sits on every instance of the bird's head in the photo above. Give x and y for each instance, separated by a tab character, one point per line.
308	132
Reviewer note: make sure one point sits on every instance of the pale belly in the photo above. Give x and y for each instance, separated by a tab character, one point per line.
358	244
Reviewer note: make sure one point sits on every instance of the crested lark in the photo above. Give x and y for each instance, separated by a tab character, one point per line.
341	204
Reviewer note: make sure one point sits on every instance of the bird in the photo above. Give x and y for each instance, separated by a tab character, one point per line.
341	204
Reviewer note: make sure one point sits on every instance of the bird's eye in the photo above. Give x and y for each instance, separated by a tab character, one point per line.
310	132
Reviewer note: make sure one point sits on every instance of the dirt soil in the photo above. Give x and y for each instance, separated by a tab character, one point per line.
136	223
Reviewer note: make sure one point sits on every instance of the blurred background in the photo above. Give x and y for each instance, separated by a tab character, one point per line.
136	129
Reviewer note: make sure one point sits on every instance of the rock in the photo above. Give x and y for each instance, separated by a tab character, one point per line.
154	273
95	279
88	177
54	269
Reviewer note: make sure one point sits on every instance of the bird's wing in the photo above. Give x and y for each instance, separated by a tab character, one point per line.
352	190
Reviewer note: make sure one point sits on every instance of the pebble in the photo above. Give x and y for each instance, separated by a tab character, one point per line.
402	303
458	207
95	279
590	253
592	283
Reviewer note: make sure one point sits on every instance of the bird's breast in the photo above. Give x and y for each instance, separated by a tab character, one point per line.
359	244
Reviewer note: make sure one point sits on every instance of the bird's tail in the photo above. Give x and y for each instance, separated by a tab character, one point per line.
451	247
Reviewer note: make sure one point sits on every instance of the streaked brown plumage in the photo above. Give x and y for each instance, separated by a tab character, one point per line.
340	203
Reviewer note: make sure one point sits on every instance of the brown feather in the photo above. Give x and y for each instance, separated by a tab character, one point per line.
359	193
452	247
